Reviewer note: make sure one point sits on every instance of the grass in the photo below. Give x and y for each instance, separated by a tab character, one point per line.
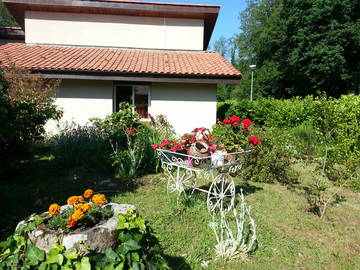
289	236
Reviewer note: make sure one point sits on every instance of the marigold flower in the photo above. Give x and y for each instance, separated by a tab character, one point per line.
88	193
54	209
72	200
86	207
79	206
71	222
99	199
80	199
77	215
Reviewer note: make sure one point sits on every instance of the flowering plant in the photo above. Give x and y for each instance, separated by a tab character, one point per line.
233	134
83	211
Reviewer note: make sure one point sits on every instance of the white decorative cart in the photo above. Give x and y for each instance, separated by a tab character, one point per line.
184	170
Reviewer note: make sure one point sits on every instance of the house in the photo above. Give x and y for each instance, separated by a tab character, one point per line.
150	54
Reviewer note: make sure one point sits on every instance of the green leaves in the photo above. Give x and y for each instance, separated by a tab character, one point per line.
33	255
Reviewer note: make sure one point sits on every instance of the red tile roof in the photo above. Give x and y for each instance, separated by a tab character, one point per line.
204	64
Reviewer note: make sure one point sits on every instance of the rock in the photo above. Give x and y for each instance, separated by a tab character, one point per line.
97	238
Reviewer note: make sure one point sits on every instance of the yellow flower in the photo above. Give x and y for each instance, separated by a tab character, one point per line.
77	215
86	207
54	209
80	199
72	200
71	222
88	193
99	199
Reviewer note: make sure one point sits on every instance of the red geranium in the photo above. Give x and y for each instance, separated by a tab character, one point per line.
246	123
227	121
155	146
254	140
234	120
165	142
131	131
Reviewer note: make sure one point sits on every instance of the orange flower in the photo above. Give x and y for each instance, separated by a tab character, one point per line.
72	200
88	193
86	207
99	199
77	215
71	222
80	199
79	206
54	209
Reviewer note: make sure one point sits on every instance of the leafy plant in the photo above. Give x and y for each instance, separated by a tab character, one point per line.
137	248
242	241
26	104
80	146
270	161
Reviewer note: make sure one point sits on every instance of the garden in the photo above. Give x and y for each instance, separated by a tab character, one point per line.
274	184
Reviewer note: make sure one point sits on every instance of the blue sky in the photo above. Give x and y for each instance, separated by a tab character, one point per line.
228	21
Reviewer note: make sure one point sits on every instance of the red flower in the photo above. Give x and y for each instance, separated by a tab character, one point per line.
246	123
212	148
227	121
254	140
150	116
155	146
234	120
165	142
131	131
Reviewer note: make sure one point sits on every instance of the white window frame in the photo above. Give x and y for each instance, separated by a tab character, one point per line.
133	85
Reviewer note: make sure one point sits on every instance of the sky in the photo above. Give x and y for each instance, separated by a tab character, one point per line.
228	20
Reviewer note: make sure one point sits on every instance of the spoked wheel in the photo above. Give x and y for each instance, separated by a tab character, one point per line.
221	194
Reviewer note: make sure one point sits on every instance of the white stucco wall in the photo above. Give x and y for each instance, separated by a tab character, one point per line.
187	106
81	100
113	31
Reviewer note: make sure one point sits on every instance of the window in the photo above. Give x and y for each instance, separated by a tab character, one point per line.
137	95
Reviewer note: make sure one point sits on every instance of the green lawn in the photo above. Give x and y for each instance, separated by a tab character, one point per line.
289	236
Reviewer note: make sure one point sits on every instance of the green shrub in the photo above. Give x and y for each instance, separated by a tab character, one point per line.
81	146
270	161
26	104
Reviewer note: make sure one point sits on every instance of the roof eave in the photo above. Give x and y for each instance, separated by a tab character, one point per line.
138	77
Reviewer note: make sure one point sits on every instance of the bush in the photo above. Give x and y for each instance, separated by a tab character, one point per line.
270	161
81	146
26	104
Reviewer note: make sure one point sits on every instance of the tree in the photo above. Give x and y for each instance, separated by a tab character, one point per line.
301	47
26	104
6	19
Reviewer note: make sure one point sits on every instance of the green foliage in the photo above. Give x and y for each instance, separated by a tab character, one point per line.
26	104
5	17
136	157
137	248
270	161
300	47
80	146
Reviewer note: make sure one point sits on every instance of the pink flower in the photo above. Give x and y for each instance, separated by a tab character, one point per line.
234	120
254	140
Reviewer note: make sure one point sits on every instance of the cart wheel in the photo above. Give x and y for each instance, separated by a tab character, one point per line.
221	194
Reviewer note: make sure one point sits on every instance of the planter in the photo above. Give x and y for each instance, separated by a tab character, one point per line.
201	151
97	238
